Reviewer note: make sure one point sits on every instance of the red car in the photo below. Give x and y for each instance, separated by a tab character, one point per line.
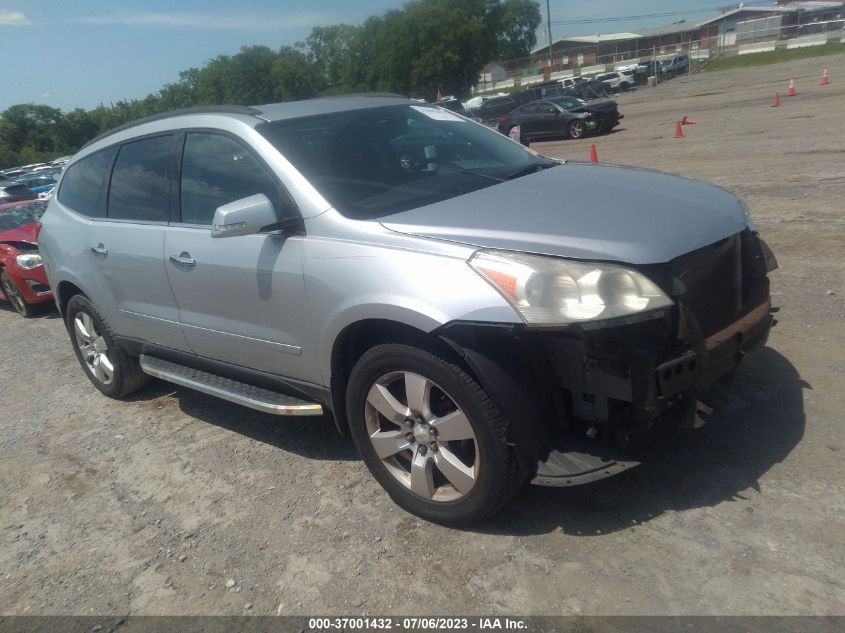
22	279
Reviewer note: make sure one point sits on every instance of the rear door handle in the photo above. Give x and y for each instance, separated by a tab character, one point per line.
184	260
99	249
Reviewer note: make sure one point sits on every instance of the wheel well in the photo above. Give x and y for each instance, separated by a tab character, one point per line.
361	336
65	292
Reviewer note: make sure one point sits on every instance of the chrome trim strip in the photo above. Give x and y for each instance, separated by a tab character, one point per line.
285	347
147	316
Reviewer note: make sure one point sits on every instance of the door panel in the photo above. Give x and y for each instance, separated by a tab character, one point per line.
128	273
243	302
548	119
127	246
241	299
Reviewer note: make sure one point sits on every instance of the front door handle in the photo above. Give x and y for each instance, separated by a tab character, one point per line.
184	260
99	249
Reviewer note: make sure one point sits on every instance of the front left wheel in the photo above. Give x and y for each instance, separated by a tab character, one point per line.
577	129
15	297
430	435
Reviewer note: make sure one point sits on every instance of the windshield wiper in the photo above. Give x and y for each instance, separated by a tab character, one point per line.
480	175
528	169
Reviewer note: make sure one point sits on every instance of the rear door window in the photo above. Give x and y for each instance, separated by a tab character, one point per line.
140	181
83	182
217	170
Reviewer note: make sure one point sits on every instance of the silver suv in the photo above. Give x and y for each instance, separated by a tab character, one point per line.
475	315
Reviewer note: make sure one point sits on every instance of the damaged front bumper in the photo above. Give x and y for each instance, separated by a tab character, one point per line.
573	396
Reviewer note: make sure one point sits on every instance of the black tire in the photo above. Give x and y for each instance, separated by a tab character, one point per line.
14	296
126	374
577	129
497	475
625	87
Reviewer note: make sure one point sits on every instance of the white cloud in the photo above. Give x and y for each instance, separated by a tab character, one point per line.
211	21
13	18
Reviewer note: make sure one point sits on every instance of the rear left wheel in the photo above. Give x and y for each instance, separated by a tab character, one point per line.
114	372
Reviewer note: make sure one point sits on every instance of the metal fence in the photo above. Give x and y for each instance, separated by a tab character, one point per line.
751	36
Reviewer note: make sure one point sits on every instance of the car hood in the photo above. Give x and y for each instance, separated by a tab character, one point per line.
27	233
584	211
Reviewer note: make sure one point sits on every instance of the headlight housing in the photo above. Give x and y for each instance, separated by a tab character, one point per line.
28	261
548	291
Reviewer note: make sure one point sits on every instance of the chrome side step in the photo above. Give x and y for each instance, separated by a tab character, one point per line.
573	468
238	392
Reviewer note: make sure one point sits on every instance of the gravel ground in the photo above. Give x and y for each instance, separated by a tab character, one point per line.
177	503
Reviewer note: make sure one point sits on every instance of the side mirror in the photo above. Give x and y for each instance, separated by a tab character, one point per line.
243	217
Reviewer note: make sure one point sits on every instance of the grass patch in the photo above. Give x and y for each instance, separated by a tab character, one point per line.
773	57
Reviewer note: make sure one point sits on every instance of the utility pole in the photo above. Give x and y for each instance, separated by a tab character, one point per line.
549	32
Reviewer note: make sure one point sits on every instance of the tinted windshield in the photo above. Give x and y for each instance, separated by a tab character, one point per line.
21	215
378	161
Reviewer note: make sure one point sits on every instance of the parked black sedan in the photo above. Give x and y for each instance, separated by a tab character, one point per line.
605	112
546	118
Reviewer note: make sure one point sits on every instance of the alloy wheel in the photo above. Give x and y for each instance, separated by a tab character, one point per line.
13	294
576	130
422	437
93	347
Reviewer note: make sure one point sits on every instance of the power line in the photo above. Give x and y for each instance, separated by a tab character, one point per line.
652	15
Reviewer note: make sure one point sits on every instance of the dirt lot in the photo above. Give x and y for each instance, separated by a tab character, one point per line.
159	504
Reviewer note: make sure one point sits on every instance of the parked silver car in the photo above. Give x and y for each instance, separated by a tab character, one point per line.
473	314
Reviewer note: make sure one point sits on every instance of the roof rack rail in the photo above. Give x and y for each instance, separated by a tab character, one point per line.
211	109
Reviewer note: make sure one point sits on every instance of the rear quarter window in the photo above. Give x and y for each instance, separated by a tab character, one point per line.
83	182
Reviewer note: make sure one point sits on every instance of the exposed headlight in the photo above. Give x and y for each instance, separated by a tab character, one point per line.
553	291
29	261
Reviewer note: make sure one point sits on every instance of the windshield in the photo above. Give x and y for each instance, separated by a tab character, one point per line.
21	215
378	161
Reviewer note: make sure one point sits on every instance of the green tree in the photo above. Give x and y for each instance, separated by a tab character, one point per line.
182	94
30	125
425	47
242	79
330	49
293	76
518	23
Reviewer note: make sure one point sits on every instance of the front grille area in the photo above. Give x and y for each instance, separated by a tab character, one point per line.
713	281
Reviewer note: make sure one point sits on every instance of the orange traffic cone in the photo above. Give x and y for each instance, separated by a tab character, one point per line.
687	121
776	102
594	157
791	92
825	79
679	133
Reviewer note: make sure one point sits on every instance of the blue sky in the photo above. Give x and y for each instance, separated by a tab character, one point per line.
79	53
